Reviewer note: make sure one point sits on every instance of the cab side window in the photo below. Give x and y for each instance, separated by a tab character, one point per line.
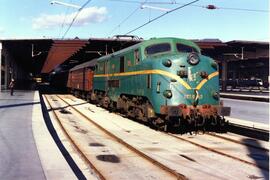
101	68
136	56
122	64
94	68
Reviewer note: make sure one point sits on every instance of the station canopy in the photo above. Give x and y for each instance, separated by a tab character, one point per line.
60	51
30	54
44	56
64	54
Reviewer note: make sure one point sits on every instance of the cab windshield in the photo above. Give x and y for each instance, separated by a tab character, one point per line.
158	48
185	49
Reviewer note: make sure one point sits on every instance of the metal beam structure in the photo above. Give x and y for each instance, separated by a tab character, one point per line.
224	74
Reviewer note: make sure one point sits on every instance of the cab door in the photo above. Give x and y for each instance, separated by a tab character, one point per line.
106	72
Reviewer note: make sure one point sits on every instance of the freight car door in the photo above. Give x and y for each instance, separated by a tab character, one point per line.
88	80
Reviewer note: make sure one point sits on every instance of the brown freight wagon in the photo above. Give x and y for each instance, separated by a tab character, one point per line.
80	79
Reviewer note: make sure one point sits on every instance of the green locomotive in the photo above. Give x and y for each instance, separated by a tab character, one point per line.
164	81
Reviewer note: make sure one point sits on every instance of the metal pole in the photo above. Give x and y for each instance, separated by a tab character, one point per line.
0	66
224	74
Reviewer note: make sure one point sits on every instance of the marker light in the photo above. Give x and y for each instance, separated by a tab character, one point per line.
167	62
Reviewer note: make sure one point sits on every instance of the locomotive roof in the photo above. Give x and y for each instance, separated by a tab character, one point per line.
150	42
182	41
91	63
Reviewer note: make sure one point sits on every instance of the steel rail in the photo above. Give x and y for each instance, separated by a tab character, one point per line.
85	159
238	142
218	152
249	131
141	154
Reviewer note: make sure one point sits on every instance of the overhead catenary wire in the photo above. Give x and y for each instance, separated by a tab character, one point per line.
241	9
64	21
131	14
139	2
124	20
156	18
83	6
200	6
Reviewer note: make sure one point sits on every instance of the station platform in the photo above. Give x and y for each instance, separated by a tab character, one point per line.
27	149
26	146
246	95
249	110
248	124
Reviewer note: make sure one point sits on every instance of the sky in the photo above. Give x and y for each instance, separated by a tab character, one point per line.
23	19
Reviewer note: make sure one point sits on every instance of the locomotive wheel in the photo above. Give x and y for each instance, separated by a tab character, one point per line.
112	106
159	124
200	124
106	102
222	125
130	112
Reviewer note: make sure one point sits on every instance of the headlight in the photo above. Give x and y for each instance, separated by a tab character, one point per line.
167	94
193	59
204	74
182	73
214	65
215	95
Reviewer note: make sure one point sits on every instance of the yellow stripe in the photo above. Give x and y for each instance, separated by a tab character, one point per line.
165	73
199	86
155	71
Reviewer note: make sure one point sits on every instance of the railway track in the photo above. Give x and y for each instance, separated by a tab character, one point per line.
259	148
163	171
220	152
249	131
141	139
75	145
238	142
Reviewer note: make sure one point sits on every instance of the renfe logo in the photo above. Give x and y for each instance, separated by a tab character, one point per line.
191	77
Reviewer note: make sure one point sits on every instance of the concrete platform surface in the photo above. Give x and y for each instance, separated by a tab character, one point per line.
250	111
242	93
249	124
19	156
252	96
26	147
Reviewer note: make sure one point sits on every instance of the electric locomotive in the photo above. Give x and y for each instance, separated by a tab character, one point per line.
163	81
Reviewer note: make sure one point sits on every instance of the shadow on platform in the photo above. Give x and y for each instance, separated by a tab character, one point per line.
17	105
61	108
260	157
58	142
